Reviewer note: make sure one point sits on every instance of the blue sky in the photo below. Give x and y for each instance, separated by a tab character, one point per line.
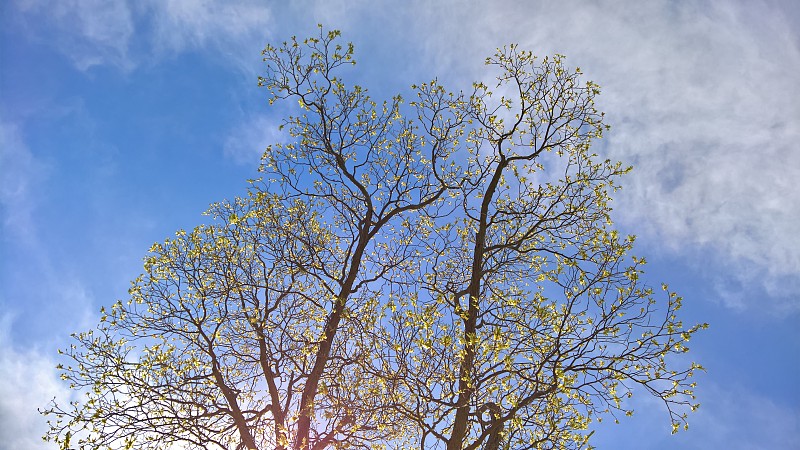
121	121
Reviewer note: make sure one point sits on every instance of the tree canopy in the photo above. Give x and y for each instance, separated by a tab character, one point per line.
442	273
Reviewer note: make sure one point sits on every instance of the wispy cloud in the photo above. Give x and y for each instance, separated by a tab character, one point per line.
246	142
237	30
701	97
30	279
30	381
732	417
735	418
20	173
709	121
89	32
124	34
182	25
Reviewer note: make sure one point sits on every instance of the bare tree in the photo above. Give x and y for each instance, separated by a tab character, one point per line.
449	278
531	321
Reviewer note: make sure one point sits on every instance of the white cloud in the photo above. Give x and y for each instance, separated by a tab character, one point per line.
30	381
710	122
701	97
29	378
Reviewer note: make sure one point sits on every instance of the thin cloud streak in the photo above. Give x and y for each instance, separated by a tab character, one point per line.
31	277
247	142
126	34
20	173
731	417
719	422
89	32
235	31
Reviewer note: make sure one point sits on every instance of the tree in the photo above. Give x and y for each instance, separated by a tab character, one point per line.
439	275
